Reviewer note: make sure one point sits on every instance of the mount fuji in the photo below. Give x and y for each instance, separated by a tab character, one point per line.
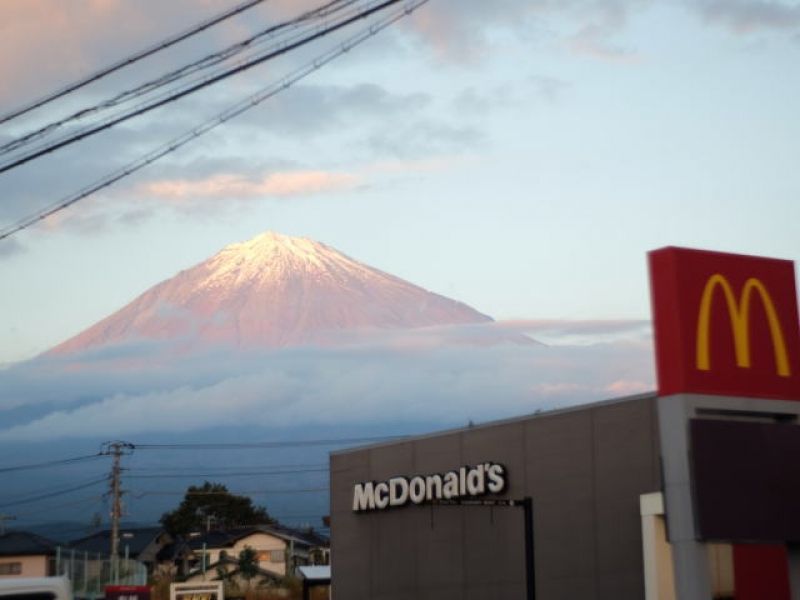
268	292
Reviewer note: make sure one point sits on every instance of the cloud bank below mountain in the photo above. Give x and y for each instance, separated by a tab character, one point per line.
388	377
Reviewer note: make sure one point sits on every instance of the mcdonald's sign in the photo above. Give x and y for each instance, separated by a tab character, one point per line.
725	324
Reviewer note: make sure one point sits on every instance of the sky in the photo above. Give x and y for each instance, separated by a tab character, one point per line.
521	157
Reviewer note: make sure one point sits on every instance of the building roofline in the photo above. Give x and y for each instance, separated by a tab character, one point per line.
234	536
506	421
39	545
155	529
43	552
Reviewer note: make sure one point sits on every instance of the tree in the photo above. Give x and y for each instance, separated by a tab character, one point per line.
222	570
212	503
248	564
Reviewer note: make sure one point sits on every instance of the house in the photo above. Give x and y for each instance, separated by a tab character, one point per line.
24	554
173	560
279	551
227	568
141	544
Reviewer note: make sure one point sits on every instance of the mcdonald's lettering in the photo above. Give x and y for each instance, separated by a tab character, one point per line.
725	324
739	312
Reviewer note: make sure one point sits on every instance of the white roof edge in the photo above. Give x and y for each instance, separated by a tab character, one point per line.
543	413
315	572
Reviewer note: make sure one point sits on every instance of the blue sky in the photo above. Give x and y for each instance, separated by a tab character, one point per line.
520	157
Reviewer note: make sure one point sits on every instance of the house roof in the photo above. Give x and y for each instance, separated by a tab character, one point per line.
22	543
307	536
173	551
135	539
227	538
219	538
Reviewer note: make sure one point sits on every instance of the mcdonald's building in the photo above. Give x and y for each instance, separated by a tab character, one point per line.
691	492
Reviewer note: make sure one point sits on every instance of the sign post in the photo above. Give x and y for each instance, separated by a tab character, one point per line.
727	341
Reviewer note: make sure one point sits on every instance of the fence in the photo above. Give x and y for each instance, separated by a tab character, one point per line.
90	573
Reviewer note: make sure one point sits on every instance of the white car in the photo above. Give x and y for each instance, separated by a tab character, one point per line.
35	588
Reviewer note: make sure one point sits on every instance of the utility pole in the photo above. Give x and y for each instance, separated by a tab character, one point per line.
116	450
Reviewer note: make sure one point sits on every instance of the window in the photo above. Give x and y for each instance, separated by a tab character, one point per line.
277	556
11	568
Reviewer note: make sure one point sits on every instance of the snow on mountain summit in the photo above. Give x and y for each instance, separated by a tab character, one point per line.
273	251
271	256
273	290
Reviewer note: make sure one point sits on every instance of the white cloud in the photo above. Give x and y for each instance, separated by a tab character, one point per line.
389	380
10	247
749	16
232	185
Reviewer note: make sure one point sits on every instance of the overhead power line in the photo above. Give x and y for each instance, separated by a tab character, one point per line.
221	118
229	492
227	474
146	108
179	470
206	62
281	444
50	463
45	496
83	502
162	45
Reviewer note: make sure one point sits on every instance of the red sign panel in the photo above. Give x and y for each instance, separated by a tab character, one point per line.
127	592
725	324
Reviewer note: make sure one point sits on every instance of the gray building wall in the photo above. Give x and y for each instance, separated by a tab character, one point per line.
585	469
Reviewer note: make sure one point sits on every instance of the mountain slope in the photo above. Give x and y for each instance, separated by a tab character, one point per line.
272	291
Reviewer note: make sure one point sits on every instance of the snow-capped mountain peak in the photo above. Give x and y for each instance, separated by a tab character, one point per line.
273	290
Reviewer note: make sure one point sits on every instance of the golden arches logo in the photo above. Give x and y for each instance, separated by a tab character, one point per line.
739	313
